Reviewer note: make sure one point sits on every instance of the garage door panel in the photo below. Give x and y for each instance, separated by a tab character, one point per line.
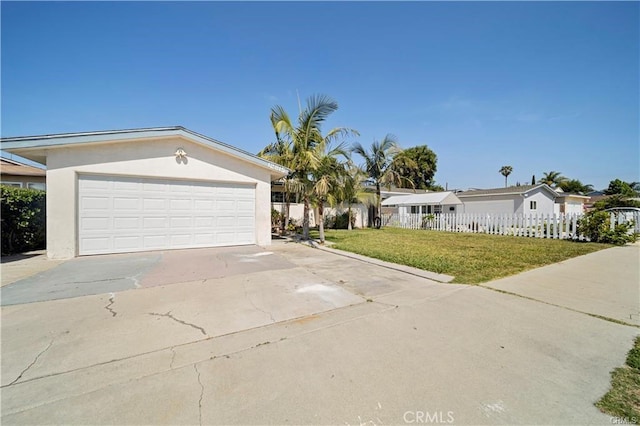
155	241
244	237
180	204
127	242
151	204
94	183
120	203
95	244
245	206
203	206
204	222
160	187
127	185
126	223
121	214
95	203
95	224
151	223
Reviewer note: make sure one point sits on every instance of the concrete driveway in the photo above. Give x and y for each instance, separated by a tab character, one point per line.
302	336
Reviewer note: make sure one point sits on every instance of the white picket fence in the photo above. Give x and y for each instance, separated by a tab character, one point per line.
557	226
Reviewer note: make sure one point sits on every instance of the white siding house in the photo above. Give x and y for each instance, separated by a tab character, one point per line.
428	203
524	199
571	203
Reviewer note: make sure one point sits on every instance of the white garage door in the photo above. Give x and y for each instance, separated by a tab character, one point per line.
121	214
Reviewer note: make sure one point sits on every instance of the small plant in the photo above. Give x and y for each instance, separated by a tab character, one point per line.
596	226
427	221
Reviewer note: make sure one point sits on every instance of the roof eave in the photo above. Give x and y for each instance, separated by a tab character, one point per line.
22	145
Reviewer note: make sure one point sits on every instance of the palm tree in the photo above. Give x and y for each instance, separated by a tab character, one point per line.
574	185
326	178
351	190
307	143
281	152
552	178
505	171
378	160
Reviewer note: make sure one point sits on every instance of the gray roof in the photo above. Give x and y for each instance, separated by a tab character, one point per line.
511	190
447	197
24	145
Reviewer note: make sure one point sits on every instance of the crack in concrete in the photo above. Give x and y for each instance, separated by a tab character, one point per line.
168	315
112	299
32	363
246	295
173	357
195	367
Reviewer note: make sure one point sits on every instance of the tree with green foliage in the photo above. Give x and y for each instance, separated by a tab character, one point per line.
281	152
575	186
378	165
308	144
616	200
326	178
553	179
620	187
417	165
505	171
351	189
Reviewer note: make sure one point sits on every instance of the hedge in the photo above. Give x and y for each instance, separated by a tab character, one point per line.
23	217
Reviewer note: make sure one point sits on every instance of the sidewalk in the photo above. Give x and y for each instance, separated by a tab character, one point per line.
605	283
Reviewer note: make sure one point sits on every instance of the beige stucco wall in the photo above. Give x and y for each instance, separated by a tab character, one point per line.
141	158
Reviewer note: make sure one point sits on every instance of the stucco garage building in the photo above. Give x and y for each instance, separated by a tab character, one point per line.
525	199
149	189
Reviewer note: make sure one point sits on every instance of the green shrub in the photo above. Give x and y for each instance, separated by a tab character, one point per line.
340	221
23	219
596	225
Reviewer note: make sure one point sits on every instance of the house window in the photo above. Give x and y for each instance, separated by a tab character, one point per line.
415	209
15	184
533	205
452	209
36	185
277	197
437	209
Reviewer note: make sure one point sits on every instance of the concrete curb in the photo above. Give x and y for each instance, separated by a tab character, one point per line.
442	278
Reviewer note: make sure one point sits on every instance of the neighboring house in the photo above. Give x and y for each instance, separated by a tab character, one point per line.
149	189
362	212
570	203
523	199
426	203
14	173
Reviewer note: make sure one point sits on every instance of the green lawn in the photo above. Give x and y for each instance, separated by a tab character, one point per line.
623	400
470	258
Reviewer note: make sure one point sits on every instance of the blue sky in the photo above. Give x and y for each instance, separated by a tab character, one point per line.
539	86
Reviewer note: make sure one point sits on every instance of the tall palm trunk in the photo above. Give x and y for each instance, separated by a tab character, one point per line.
305	218
287	206
378	200
321	220
349	227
